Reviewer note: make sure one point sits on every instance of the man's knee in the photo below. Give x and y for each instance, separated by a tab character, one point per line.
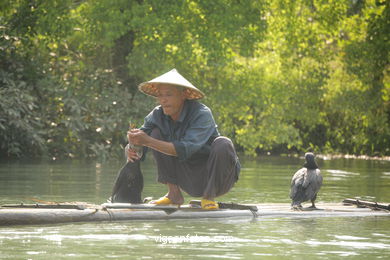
222	143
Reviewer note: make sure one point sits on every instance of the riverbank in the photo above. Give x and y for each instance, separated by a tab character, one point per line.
332	156
351	156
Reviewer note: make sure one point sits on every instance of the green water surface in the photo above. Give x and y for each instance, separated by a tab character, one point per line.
262	180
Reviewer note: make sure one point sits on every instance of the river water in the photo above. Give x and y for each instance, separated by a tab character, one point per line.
262	180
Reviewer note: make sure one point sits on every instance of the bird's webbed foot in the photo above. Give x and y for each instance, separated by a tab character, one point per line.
313	207
297	207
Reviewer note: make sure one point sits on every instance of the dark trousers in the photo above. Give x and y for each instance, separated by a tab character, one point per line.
208	177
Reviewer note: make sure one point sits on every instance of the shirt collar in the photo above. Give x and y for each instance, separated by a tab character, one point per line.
184	112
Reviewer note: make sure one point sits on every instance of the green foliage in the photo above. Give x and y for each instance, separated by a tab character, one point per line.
18	122
280	76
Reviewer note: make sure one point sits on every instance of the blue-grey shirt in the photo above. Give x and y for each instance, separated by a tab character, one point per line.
192	134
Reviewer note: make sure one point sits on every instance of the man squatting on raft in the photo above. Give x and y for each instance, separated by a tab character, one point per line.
187	147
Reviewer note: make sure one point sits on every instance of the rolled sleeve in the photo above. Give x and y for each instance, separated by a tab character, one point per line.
180	150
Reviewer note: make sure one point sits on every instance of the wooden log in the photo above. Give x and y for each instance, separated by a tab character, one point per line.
225	205
169	209
142	206
46	206
27	216
194	205
369	204
93	213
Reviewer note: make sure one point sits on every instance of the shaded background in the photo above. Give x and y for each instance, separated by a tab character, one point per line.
280	76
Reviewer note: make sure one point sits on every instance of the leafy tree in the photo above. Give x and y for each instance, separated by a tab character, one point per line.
281	76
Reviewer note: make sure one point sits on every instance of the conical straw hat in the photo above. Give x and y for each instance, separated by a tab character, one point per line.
174	78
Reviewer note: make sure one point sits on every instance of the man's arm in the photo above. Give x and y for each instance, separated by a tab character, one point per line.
139	137
161	146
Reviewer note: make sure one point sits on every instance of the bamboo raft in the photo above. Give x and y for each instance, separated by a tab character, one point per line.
28	214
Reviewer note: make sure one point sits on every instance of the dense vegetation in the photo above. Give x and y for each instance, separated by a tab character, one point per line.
280	76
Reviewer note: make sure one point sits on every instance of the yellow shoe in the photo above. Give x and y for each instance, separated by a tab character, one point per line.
161	201
209	204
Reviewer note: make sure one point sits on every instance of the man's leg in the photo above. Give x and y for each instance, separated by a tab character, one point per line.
209	177
166	172
223	168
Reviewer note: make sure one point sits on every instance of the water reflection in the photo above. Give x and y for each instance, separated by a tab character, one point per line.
238	239
264	180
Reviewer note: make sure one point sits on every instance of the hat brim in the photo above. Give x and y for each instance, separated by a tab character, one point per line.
173	78
152	89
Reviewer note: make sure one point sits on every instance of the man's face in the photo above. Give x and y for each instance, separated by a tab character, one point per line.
171	99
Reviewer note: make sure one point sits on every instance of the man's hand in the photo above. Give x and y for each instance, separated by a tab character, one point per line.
137	137
140	138
131	154
136	140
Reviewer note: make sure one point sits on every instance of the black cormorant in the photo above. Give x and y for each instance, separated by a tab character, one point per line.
306	183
